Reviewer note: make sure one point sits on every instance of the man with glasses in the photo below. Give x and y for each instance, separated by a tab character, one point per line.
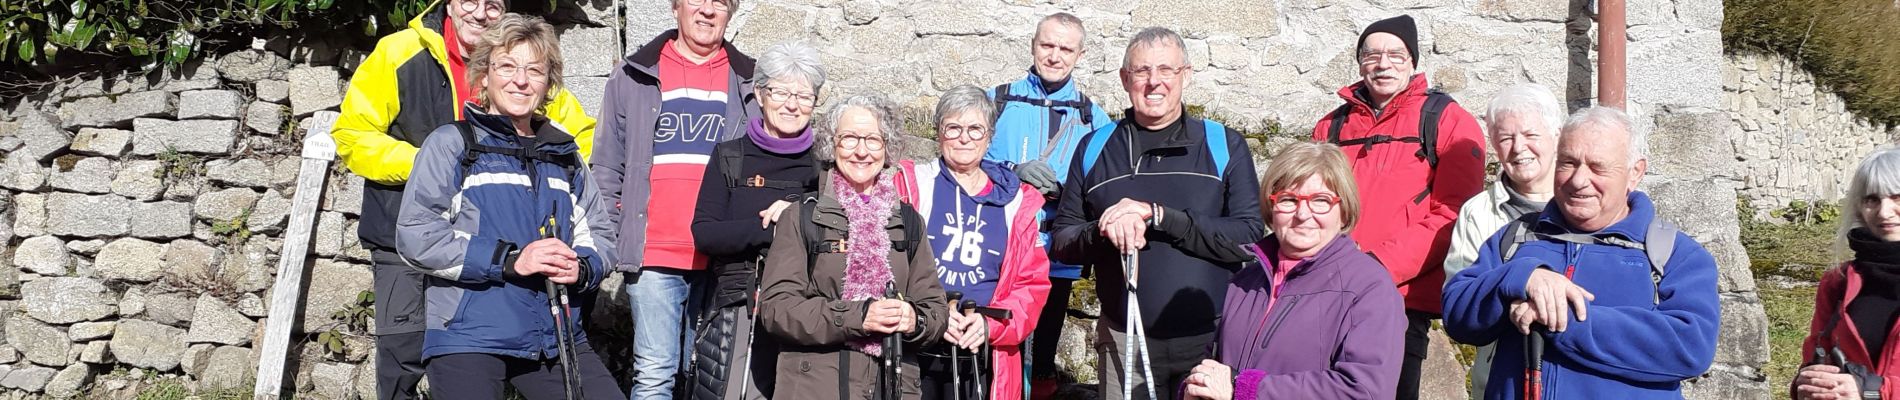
1040	120
666	105
1416	156
1178	193
414	81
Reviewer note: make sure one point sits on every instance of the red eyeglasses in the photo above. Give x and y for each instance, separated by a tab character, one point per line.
1319	203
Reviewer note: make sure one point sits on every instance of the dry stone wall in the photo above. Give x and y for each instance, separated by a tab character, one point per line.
1794	138
141	217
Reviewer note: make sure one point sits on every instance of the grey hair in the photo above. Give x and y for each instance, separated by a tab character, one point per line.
732	6
1878	175
962	98
1066	19
887	125
1155	36
792	60
1613	118
1526	99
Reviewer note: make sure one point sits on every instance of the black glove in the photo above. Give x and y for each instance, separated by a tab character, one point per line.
1037	173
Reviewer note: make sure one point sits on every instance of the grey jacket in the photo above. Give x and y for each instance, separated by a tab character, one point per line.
623	145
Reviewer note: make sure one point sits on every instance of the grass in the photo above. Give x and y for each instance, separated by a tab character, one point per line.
1790	247
1843	43
1789	310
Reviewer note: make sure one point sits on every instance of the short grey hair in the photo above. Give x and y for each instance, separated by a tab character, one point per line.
792	60
1612	118
1066	19
1878	175
1526	99
887	125
963	98
1155	36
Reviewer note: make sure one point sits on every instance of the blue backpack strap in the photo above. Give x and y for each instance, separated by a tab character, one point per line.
1217	146
1093	147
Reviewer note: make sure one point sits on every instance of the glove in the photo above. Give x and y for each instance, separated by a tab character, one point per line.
1037	173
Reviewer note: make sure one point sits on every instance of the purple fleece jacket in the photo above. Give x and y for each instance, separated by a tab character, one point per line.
1336	332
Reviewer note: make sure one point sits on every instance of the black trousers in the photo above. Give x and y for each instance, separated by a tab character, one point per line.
939	378
1042	356
399	317
1417	346
477	376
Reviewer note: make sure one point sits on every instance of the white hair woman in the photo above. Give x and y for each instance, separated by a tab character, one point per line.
498	211
748	183
1846	354
850	288
982	220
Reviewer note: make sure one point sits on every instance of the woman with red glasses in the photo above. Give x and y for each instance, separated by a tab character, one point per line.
1314	317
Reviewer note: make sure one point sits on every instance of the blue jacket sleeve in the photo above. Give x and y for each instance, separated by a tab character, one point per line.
1477	301
427	239
1677	335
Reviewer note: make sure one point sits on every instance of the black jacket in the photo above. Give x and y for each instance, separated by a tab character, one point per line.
726	218
1196	250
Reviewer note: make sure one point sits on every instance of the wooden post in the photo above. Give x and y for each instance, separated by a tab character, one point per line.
287	294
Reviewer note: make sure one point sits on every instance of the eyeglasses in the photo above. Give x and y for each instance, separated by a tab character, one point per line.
1395	57
974	132
1320	203
871	142
720	5
509	70
781	95
493	8
1165	72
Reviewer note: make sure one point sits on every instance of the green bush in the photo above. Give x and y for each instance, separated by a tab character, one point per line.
1843	43
170	32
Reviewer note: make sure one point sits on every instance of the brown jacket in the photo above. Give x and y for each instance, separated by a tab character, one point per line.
803	311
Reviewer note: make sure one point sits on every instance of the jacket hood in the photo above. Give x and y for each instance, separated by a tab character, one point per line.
648	56
548	136
429	26
1005	180
1413	95
1634	226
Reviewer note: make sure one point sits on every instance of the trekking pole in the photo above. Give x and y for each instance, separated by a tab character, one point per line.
745	379
1137	341
893	353
1534	366
558	307
956	373
980	386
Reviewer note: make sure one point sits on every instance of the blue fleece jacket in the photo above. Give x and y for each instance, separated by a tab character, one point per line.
1024	132
1633	346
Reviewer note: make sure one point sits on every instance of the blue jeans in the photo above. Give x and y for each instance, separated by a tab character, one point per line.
663	300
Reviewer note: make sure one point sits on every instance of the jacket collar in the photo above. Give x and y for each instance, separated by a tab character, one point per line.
1190	134
1005	181
1334	251
1035	87
428	26
1413	95
549	136
1634	226
647	58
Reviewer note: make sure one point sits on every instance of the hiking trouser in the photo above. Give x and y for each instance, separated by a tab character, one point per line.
480	376
1418	343
1173	360
939	377
399	315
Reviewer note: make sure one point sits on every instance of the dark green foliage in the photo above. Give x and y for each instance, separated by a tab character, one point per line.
1845	44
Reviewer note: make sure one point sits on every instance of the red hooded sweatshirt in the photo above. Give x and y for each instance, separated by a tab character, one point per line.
1409	238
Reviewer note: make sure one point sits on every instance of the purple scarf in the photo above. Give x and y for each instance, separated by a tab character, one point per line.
775	144
867	245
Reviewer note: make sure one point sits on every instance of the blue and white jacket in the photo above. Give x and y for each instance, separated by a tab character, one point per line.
458	226
1024	130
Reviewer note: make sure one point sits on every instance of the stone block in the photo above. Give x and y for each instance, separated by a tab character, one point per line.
68	381
139	180
224	205
588	51
191	261
40	138
314	89
65	300
1245	19
345	194
44	255
274	91
102	142
252	305
90	175
215	322
1682	145
147	344
130	260
23	174
151	137
329	233
229	368
132	303
1744	336
161	220
253	66
211	104
589	90
97	352
30	379
88	331
265	118
86	247
29	218
40	343
87	216
119	112
248	172
269	213
333	287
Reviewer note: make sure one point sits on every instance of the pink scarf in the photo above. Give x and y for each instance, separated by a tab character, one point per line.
867	245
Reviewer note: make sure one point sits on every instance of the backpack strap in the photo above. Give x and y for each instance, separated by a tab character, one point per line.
468	143
913	230
472	151
731	159
1515	234
1435	103
1339	122
1092	148
998	95
1217	146
1659	244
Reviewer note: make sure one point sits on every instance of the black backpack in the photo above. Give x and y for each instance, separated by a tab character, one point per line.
816	244
472	150
1427	139
1082	105
1658	244
732	158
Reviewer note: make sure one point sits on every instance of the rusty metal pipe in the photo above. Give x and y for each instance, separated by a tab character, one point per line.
1612	54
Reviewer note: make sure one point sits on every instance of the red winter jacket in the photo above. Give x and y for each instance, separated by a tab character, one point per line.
1409	238
1838	288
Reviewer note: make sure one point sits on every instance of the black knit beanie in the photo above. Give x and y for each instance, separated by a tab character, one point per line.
1401	26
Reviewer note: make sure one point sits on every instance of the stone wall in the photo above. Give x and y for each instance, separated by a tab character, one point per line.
141	218
1795	140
